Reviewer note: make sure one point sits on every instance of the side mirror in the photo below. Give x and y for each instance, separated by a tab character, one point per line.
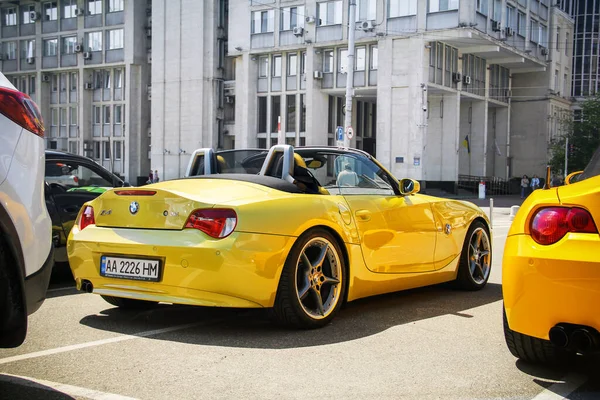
572	177
409	186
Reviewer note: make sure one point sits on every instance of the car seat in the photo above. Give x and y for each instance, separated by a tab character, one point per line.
304	179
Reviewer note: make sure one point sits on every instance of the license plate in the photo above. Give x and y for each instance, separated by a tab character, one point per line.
130	268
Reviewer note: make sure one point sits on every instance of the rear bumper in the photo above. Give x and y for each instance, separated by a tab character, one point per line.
546	285
36	285
241	270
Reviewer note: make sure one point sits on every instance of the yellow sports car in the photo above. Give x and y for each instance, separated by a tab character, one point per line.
551	272
316	226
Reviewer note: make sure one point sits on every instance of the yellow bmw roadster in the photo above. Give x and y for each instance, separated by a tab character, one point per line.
551	272
316	226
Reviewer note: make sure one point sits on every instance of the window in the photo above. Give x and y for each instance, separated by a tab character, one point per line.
31	84
97	150
263	66
303	63
95	41
63	117
73	84
106	113
106	146
328	61
50	47
115	5
497	11
69	8
276	66
50	11
292	17
442	5
557	37
290	118
292	64
10	16
302	113
482	6
55	83
94	7
263	21
10	50
366	10
543	35
98	75
343	61
360	58
330	13
275	112
54	116
556	83
27	10
118	79
374	57
510	17
68	45
400	8
535	31
118	114
63	82
106	79
566	43
117	150
115	39
521	27
564	86
73	115
97	115
73	147
262	115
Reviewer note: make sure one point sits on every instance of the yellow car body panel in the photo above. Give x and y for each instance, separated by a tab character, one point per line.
243	269
544	285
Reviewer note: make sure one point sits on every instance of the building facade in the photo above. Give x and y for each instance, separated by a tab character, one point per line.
86	64
586	45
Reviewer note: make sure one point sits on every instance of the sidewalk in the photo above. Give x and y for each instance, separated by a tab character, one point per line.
499	201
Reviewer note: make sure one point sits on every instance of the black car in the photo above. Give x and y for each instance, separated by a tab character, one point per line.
71	181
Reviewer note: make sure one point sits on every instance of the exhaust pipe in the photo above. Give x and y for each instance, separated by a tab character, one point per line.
584	340
86	286
559	336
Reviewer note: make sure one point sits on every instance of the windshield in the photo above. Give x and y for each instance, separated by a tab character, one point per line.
593	167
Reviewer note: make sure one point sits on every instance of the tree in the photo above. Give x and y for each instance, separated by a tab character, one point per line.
584	139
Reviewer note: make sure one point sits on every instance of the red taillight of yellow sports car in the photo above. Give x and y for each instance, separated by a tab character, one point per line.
550	224
216	223
86	218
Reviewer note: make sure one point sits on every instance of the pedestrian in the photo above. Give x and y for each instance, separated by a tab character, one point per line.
535	183
156	179
150	178
347	177
524	186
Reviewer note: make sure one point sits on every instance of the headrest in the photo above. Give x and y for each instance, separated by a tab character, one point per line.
299	161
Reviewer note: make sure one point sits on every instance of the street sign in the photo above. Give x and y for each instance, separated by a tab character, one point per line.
349	132
339	133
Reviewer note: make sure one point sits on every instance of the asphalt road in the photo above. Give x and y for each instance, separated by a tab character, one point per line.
430	343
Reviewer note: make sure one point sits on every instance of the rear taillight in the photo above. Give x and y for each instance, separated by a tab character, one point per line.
20	109
135	192
87	218
550	224
217	223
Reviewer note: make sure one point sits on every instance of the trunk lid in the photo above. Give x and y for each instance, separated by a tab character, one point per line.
167	205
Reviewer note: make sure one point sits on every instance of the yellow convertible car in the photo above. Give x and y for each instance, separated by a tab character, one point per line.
315	227
551	272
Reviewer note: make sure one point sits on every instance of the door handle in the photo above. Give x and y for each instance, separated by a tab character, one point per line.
363	215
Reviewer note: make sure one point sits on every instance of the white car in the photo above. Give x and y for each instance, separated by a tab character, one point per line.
26	250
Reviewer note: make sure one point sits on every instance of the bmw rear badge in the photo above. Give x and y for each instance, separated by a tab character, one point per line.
134	207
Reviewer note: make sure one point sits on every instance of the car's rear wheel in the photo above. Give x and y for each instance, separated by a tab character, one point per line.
313	282
124	303
532	349
476	258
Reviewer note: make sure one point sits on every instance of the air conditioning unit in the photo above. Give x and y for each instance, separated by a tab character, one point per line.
88	86
30	60
545	51
310	20
508	31
366	26
467	80
45	78
496	26
34	16
229	99
87	55
78	48
318	74
298	31
456	77
80	12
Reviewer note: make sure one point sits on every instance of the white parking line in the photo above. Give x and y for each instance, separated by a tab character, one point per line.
70	390
561	390
121	338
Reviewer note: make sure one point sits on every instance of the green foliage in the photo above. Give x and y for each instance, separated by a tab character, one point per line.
584	139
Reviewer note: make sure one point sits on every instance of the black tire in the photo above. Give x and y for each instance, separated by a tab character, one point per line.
532	349
464	278
13	316
289	309
129	304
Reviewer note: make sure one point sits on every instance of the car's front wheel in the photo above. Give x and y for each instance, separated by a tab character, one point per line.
313	281
124	303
